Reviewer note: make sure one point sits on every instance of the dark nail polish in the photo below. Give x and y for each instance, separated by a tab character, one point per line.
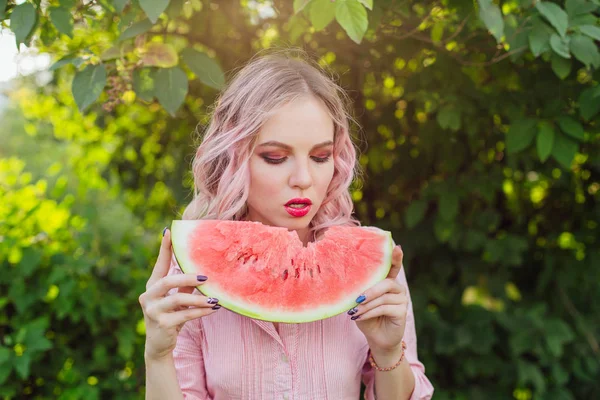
354	318
212	300
216	307
164	231
361	298
353	311
201	278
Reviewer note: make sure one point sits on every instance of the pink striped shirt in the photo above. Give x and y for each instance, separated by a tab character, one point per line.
229	356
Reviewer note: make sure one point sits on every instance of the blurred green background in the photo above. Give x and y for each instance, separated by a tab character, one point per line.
479	132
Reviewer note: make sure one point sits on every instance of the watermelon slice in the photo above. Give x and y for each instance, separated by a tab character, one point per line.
266	273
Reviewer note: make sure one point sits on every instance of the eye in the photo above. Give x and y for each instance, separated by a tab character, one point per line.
274	160
321	159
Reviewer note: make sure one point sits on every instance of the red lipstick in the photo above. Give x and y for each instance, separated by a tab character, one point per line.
298	207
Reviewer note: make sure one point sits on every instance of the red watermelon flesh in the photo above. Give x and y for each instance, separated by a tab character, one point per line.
266	273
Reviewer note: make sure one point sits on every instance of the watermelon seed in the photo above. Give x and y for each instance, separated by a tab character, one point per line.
285	274
318	268
311	273
297	273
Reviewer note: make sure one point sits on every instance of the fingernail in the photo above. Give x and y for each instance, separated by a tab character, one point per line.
164	231
354	318
361	298
216	307
201	278
353	311
212	300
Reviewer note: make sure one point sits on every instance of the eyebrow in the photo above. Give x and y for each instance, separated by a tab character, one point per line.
288	147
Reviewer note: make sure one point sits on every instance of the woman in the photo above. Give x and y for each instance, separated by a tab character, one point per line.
279	132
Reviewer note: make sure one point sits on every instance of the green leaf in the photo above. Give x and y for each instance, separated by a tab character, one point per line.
530	373
367	3
539	37
174	9
299	5
545	140
205	68
590	30
321	13
449	118
30	261
161	55
120	5
437	32
143	84
560	45
560	374
585	19
22	21
116	51
561	66
557	334
88	85
76	61
171	88
515	37
126	20
352	16
520	135
564	150
3	9
5	355
571	127
297	27
415	213
521	340
22	364
589	102
579	7
153	8
62	19
491	16
585	50
444	230
136	29
557	17
6	363
449	205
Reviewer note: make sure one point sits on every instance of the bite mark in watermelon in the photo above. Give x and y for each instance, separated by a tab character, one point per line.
266	273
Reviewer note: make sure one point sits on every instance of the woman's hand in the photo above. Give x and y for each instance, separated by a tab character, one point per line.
381	316
164	314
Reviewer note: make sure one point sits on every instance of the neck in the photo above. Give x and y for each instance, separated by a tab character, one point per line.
303	234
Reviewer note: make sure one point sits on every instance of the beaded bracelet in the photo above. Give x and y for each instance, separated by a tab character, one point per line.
374	364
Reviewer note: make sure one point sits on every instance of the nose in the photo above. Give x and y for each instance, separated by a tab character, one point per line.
301	176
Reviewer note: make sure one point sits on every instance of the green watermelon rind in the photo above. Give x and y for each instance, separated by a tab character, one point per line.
210	289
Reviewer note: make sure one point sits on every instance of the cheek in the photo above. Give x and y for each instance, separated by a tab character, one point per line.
324	179
264	181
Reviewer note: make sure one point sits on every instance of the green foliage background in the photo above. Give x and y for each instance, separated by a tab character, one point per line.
480	137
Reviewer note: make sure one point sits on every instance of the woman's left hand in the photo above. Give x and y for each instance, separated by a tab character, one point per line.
382	315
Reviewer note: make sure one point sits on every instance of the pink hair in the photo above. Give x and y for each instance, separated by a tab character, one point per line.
220	167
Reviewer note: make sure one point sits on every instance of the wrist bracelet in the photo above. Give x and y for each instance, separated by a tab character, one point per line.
374	364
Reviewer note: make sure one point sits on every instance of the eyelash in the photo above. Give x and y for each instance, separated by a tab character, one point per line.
280	160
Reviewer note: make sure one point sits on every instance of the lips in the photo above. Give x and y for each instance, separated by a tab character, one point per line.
298	207
303	201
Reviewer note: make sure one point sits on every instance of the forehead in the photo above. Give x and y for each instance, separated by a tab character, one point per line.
301	123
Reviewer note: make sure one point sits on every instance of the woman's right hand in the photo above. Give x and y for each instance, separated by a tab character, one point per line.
164	315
